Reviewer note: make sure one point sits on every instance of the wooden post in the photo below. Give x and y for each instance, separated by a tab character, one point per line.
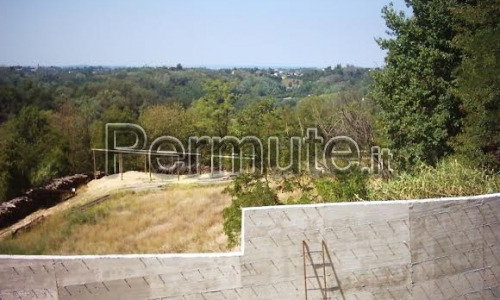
212	165
145	164
120	165
178	170
198	164
95	171
149	158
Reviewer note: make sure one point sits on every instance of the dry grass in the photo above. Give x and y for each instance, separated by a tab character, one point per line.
448	179
178	219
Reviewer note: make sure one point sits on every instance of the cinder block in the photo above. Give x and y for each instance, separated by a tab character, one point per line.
215	295
230	294
191	297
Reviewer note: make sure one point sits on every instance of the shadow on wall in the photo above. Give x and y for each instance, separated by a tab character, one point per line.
421	249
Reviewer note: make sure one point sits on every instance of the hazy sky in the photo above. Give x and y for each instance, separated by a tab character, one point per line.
208	33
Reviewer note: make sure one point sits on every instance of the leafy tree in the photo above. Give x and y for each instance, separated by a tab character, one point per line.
212	112
251	118
73	123
20	93
342	187
161	120
345	113
32	152
118	113
414	90
478	81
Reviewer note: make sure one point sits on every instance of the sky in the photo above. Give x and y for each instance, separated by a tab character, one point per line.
209	33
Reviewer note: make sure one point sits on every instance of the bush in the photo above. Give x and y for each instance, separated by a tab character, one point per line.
449	178
342	187
248	190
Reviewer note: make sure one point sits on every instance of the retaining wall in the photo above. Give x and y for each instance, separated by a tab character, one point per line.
423	249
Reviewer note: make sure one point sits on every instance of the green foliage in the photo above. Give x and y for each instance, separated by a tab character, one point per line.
72	122
450	177
305	198
162	120
302	183
419	111
248	190
478	82
344	113
91	216
51	117
17	92
343	187
212	113
52	164
32	153
260	86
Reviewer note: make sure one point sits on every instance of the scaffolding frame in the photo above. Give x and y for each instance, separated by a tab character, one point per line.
146	153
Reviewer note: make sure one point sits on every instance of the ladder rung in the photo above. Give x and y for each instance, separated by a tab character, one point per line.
314	289
318	266
332	289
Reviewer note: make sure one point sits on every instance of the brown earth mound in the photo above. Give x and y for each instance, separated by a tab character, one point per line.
58	190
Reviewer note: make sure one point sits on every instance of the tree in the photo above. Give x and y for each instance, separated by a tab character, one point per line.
162	120
32	152
73	123
250	119
414	90
478	82
346	113
212	113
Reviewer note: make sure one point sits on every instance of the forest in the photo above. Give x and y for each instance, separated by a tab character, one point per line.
434	104
53	117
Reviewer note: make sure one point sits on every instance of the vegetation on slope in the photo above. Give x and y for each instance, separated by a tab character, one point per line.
175	220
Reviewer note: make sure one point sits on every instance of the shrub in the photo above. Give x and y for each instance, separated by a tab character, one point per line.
449	178
247	190
342	187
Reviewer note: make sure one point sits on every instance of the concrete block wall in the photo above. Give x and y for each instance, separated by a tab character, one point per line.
455	249
422	249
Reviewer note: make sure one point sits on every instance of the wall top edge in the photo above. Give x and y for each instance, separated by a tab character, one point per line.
378	202
121	256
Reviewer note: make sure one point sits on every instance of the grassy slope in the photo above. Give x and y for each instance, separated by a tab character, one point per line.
180	218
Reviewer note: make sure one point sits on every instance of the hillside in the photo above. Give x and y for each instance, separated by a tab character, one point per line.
132	215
